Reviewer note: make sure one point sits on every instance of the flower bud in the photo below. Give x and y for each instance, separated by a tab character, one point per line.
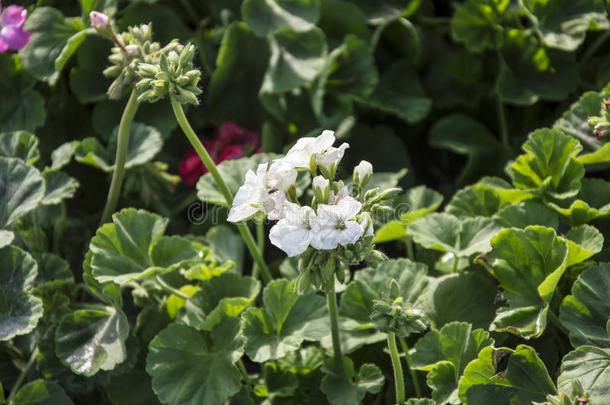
362	174
98	20
394	289
321	189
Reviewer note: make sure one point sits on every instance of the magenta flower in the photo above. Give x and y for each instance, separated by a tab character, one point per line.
12	35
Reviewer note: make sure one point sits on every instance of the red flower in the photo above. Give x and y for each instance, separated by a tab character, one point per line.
232	142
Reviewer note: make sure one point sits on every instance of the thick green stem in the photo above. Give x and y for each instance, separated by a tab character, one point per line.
502	122
169	289
414	380
260	243
244	374
211	166
399	379
23	375
121	155
331	300
456	260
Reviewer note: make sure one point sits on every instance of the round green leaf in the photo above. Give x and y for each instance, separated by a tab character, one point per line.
586	311
284	322
477	24
504	377
525	214
574	121
19	310
528	264
347	387
41	392
583	242
591	367
591	202
188	368
477	200
269	16
59	186
22	187
20	144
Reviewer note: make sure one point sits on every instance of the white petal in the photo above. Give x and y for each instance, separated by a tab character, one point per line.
331	157
326	239
292	239
347	208
273	205
350	235
241	212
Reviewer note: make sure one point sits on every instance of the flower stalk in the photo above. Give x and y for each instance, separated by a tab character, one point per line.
399	380
333	314
211	166
121	155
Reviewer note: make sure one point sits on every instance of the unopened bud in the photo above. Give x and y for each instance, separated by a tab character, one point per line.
321	189
362	174
99	20
394	289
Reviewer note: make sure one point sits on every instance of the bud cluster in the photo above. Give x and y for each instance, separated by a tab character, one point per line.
392	315
601	123
174	76
578	396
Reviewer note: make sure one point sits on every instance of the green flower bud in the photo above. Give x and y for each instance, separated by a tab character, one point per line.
362	174
321	189
394	289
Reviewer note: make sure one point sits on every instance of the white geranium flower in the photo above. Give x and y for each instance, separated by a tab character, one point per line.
299	156
329	159
335	225
250	196
293	233
335	198
281	176
273	205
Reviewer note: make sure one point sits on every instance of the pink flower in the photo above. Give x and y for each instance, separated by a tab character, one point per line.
12	35
98	20
232	142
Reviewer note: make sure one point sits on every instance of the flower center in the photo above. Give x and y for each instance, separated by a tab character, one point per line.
340	224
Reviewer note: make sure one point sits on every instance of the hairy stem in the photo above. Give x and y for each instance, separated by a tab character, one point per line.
121	155
211	166
414	380
260	243
22	375
399	379
331	300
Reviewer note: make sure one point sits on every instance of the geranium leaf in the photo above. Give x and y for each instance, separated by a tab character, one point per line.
447	233
54	40
52	269
90	340
591	367
62	156
504	376
445	302
477	24
22	187
379	12
132	248
549	167
58	187
190	368
284	322
349	388
563	24
583	242
20	144
420	401
528	264
296	58
445	354
227	245
590	203
418	202
269	16
41	392
6	237
574	121
233	173
525	214
477	200
20	311
586	311
219	297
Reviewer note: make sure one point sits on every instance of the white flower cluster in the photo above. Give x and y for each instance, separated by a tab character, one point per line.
335	218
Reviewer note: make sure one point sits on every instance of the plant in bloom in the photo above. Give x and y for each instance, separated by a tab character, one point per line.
232	142
12	35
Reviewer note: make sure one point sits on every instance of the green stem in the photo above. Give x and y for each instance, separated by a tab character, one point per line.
502	122
244	374
22	376
456	260
409	246
260	243
121	155
399	379
211	166
414	380
169	289
595	46
331	300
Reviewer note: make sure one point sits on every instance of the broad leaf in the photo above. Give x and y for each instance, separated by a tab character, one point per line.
347	387
504	377
525	214
528	264
284	322
224	296
583	242
22	187
19	310
20	144
477	200
59	187
574	121
591	202
41	392
563	24
6	237
233	173
445	354
54	40
296	58
381	11
227	245
586	311
269	16
133	248
549	167
477	24
190	368
446	233
445	300
591	367
93	339
62	156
